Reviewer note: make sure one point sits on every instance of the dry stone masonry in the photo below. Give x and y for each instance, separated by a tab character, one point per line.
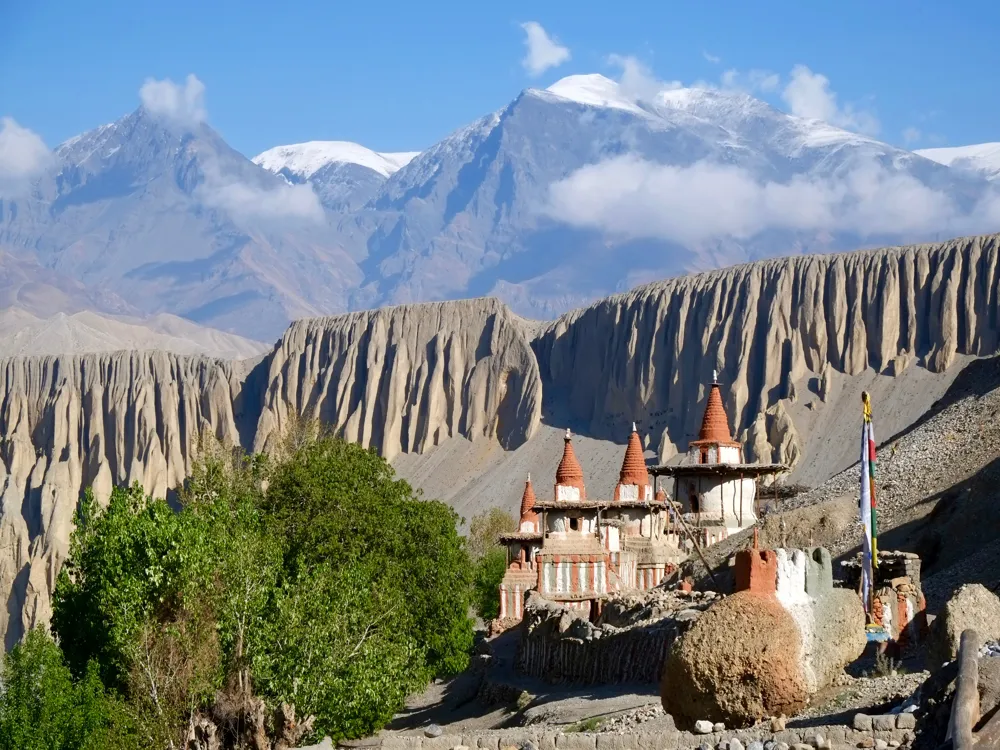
628	643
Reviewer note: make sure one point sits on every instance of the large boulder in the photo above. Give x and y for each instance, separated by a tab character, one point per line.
839	635
767	649
972	606
738	663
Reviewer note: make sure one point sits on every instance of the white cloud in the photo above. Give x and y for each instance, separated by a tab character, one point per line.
808	94
544	52
244	201
911	135
627	197
753	81
23	157
182	103
637	82
714	59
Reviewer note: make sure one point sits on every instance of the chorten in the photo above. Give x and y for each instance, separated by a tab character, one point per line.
715	491
715	444
633	480
529	518
569	476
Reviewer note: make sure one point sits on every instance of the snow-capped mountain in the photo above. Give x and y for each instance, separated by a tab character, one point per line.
303	160
983	159
563	195
176	221
345	175
476	213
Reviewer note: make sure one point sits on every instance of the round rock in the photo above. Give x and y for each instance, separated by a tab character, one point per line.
737	664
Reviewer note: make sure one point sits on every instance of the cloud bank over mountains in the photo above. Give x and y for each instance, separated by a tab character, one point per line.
184	104
628	197
560	196
23	157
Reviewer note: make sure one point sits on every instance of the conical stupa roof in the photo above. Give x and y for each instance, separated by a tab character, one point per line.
528	502
634	466
569	473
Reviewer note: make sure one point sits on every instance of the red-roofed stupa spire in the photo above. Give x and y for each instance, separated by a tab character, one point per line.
714	431
715	423
569	475
529	518
633	473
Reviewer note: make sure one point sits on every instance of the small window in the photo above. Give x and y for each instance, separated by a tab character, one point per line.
704	455
574	524
693	499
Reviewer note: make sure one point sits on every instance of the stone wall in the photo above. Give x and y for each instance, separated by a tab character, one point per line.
839	735
557	645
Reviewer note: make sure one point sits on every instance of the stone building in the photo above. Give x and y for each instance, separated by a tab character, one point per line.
577	551
713	486
522	548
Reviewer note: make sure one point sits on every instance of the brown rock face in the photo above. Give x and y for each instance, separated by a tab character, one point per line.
738	663
403	379
972	606
397	379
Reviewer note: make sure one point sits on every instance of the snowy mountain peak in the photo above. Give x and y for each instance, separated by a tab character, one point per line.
594	90
305	159
982	158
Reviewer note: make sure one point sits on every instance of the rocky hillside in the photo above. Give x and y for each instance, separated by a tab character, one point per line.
466	397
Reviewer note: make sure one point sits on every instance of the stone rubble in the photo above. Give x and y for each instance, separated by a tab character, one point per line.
990	648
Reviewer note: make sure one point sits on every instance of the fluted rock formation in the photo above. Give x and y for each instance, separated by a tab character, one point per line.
402	379
774	329
93	421
794	341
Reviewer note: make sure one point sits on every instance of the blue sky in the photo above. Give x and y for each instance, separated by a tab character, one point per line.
400	76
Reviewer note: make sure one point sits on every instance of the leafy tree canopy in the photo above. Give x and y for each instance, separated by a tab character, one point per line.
317	579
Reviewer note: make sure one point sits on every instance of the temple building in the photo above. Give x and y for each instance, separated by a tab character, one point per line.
578	551
713	486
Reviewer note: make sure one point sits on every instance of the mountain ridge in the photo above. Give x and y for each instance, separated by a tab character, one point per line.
981	158
549	202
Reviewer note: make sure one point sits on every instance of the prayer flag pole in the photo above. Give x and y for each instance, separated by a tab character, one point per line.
869	519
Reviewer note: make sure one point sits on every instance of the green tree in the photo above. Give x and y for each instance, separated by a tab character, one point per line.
42	708
225	491
335	502
339	649
319	579
488	574
485	530
135	557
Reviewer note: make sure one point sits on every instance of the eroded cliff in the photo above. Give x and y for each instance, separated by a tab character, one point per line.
397	379
94	421
777	331
402	379
794	341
